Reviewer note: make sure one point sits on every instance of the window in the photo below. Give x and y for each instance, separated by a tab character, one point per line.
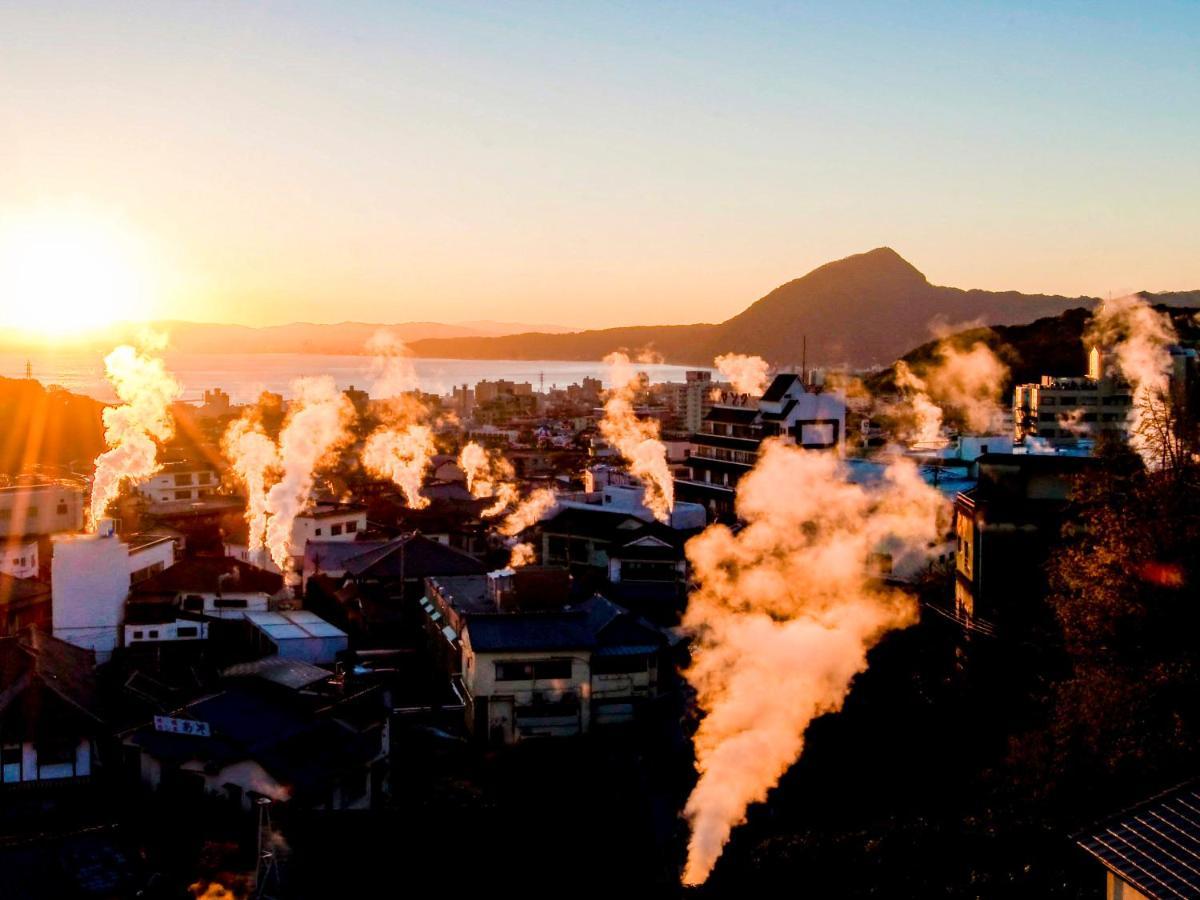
317	532
351	527
183	495
32	512
61	509
56	753
552	668
137	635
187	631
153	634
183	478
335	530
10	755
204	478
230	603
620	665
514	671
142	574
193	603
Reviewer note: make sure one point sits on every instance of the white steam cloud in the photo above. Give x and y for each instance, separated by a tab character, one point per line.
965	382
746	374
783	615
637	439
146	391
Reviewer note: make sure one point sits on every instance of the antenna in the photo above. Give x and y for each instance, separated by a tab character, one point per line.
804	360
266	869
28	370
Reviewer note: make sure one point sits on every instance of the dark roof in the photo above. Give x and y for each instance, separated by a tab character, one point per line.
779	386
413	556
62	668
468	594
548	631
596	624
783	413
1155	846
599	523
22	591
210	574
335	554
738	415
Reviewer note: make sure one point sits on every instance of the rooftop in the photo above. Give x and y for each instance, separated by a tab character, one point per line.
211	575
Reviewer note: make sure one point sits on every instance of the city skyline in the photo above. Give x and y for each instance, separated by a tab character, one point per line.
263	165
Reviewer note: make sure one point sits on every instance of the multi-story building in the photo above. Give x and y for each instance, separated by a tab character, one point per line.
41	508
1063	410
180	481
727	445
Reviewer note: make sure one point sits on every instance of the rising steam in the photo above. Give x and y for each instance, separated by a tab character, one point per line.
254	458
315	428
146	391
964	382
746	374
1140	338
402	454
488	476
783	616
637	440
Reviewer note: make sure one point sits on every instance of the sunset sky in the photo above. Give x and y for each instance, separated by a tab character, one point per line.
586	164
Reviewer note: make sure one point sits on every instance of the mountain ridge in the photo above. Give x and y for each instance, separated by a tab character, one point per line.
863	310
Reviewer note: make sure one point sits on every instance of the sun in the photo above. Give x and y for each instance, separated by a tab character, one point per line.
66	274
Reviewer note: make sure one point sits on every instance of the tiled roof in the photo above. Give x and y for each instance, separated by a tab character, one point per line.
209	574
1155	846
779	386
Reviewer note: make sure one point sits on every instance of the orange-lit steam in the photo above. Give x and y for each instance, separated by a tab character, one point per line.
488	476
315	428
254	459
528	512
637	440
1140	338
967	382
402	454
522	555
146	391
746	374
783	615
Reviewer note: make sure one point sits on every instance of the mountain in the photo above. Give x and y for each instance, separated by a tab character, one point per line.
860	311
343	338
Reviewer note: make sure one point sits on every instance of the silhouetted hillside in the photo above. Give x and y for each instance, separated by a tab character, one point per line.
44	427
859	311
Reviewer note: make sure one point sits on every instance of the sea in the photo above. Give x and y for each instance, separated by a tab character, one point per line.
245	376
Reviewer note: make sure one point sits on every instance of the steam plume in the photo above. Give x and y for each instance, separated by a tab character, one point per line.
255	459
146	391
964	382
315	427
783	616
747	374
522	555
402	454
637	440
1140	338
528	512
391	366
488	476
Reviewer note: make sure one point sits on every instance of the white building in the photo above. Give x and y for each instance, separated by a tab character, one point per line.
90	578
19	557
49	507
298	634
180	481
320	521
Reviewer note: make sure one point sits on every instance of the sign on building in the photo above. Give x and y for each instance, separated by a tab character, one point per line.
182	726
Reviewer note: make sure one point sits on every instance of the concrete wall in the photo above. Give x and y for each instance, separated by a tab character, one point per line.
40	509
29	770
90	581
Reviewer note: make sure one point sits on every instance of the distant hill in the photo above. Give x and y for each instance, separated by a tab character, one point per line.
343	338
860	311
47	428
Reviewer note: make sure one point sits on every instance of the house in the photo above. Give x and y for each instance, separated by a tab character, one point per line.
1004	529
377	597
1151	851
727	445
558	673
322	521
324	557
19	556
50	719
91	575
616	490
23	602
42	507
265	738
180	602
182	480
